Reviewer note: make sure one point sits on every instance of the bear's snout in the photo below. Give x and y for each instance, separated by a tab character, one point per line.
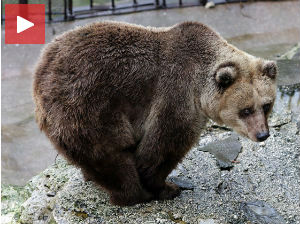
262	136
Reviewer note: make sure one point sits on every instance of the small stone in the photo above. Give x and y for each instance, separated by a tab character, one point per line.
206	221
182	184
177	216
262	144
261	212
107	212
51	194
210	5
159	220
45	217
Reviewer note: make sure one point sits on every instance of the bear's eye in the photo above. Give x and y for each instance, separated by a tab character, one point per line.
246	112
266	107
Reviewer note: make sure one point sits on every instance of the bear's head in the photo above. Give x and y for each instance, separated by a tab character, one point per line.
242	93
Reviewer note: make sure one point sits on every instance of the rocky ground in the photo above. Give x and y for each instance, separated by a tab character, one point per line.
262	186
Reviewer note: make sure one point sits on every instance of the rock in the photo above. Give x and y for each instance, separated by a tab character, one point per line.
294	53
261	212
12	198
289	71
51	194
298	123
262	144
222	186
225	151
183	184
210	5
8	218
177	216
42	201
296	56
206	221
277	120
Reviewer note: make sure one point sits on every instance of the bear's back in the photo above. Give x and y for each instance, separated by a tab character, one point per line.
107	53
90	69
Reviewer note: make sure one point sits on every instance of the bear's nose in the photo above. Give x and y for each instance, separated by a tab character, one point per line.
262	136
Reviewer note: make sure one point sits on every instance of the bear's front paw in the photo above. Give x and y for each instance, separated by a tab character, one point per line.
170	191
128	199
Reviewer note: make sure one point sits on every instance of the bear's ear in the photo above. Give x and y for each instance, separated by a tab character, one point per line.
270	69
225	76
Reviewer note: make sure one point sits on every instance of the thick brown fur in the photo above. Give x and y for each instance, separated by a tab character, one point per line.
125	103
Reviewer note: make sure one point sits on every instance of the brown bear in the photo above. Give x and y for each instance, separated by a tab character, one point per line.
125	103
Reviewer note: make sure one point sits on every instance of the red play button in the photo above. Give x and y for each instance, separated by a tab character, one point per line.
24	23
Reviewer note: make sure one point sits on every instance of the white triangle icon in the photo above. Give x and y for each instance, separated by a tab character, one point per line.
23	24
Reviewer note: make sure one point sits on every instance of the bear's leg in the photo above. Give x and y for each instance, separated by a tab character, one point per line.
158	154
169	135
154	180
153	176
116	172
